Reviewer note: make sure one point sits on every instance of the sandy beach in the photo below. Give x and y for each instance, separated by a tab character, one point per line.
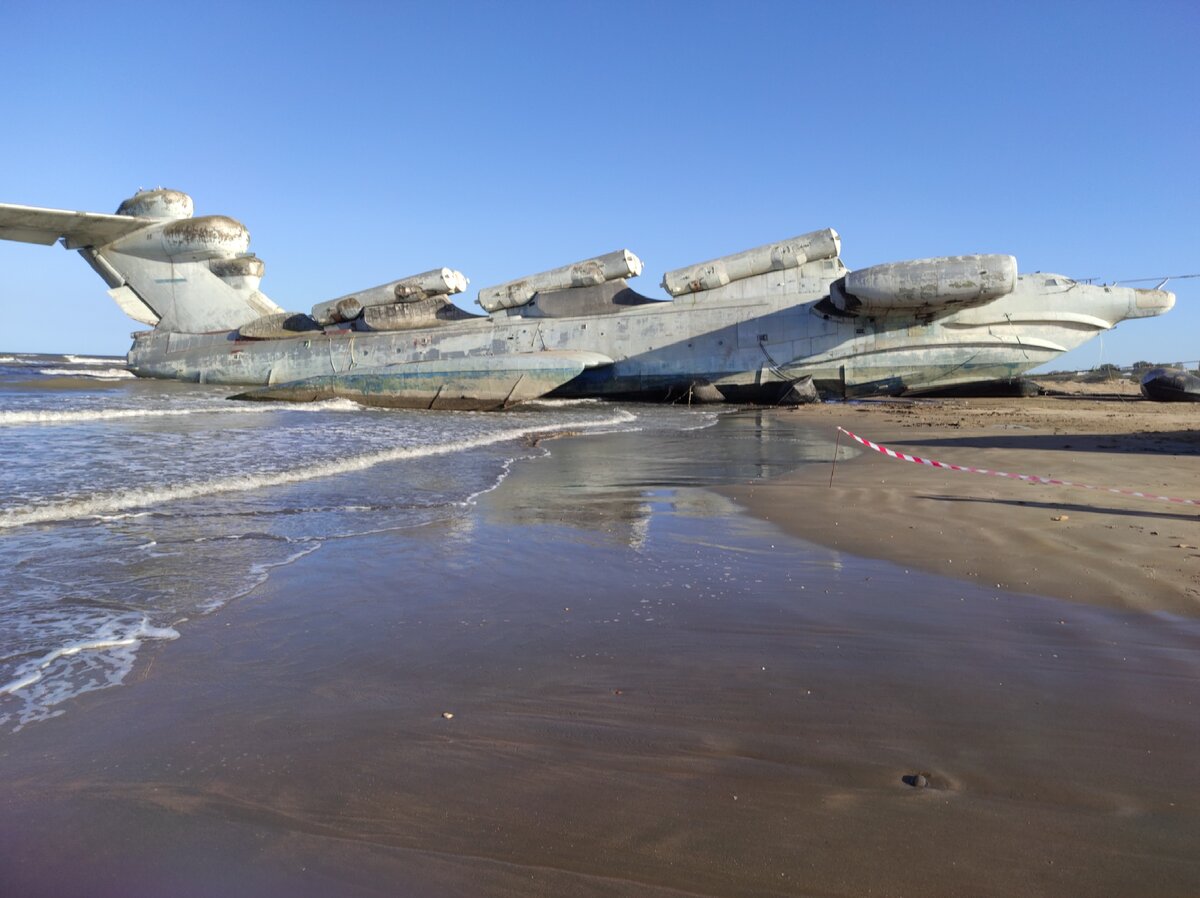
1091	546
681	666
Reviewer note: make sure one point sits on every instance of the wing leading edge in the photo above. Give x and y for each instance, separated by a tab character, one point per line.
32	224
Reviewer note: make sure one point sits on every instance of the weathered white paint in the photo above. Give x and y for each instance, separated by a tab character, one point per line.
131	304
779	256
760	319
157	203
620	263
928	283
435	282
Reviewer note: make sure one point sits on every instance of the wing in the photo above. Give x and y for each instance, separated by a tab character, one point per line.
475	382
32	224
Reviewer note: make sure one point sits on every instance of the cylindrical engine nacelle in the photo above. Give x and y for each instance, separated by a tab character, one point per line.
947	281
773	257
240	272
620	263
158	203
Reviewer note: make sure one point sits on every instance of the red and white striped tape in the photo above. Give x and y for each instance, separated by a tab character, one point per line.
1030	478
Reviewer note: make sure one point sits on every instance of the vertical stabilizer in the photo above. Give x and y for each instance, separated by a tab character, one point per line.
162	265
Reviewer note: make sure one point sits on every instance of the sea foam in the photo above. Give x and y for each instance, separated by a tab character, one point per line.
95	374
92	360
126	500
101	660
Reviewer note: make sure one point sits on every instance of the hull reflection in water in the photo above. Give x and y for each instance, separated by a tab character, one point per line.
166	502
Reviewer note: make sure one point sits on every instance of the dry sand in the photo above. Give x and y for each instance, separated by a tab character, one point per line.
1084	545
654	694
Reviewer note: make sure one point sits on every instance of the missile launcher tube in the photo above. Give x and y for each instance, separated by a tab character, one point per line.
620	263
773	257
402	316
414	288
348	309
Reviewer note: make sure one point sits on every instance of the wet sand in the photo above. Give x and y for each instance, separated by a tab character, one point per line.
652	693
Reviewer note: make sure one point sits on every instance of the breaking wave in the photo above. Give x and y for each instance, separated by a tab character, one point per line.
125	500
97	374
92	360
46	416
562	403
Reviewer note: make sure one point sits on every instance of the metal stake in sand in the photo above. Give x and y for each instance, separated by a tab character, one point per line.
836	446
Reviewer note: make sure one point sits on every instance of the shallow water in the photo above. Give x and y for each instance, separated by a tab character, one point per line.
129	506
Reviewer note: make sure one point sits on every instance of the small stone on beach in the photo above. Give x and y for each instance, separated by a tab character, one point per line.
447	715
1060	517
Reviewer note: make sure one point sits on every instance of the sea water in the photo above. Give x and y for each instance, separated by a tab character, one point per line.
129	507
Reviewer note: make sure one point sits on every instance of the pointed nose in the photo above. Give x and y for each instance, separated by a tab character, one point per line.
1148	303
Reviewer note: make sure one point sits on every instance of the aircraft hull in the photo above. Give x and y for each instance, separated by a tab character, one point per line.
749	347
748	326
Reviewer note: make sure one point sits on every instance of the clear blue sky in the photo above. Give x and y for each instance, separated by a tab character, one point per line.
360	142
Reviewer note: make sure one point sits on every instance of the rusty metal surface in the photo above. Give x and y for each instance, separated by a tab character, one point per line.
824	244
411	315
240	266
416	287
157	203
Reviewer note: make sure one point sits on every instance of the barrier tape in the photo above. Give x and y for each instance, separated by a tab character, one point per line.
1029	478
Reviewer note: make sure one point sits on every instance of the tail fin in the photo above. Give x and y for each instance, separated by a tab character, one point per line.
163	267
